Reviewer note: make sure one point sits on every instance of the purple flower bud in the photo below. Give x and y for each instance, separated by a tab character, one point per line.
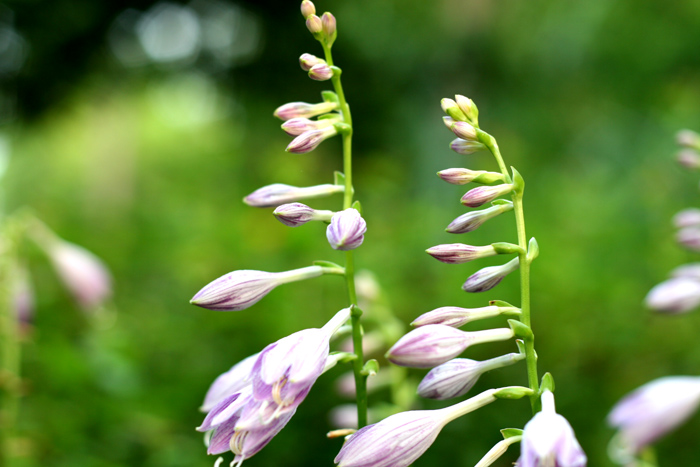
688	139
465	147
688	158
448	121
473	220
298	126
329	25
313	24
229	383
304	110
83	273
464	176
676	295
483	194
397	441
687	218
690	271
434	344
689	237
468	106
307	61
271	196
456	317
296	214
241	289
308	141
464	131
654	409
488	278
451	108
549	440
307	9
320	72
346	230
456	253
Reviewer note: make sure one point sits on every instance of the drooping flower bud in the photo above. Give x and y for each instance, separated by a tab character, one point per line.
271	196
308	141
688	158
488	278
346	230
473	220
688	139
457	317
306	61
457	253
314	25
464	131
465	147
241	289
296	214
451	108
483	194
689	237
329	26
464	176
687	218
434	344
675	295
307	9
549	440
469	108
304	110
320	72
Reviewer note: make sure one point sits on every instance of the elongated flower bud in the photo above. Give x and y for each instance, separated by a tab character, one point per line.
689	237
320	72
346	230
313	24
464	131
296	214
456	253
466	147
456	317
434	344
688	158
464	176
241	289
307	61
307	9
304	110
469	108
676	295
687	218
271	196
483	194
473	220
451	108
298	126
688	139
488	278
308	141
690	271
329	26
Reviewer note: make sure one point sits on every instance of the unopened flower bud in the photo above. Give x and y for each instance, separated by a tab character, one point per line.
307	9
329	25
298	126
296	214
689	237
676	295
483	194
451	108
308	141
457	317
83	273
488	278
469	108
688	139
466	147
473	220
464	176
457	253
690	271
320	72
271	196
689	158
304	110
306	61
242	289
448	121
464	130
313	24
687	218
346	230
434	344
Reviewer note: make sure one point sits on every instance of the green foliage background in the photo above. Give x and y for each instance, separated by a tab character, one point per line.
584	98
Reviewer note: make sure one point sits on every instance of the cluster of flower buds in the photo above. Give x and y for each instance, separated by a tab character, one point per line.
249	404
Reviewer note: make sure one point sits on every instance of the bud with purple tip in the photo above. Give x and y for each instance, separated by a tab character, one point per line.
329	27
304	110
457	253
465	147
307	61
464	131
308	141
242	289
346	230
488	278
314	25
457	317
296	214
675	295
464	176
434	344
549	440
473	220
298	126
271	196
483	194
307	9
320	72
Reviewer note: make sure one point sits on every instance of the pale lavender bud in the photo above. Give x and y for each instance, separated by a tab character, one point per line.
464	130
654	409
488	278
346	230
434	344
83	273
308	141
464	176
456	317
687	218
483	194
451	108
688	139
690	271
549	440
274	195
320	72
456	253
296	214
329	25
689	237
241	289
298	126
465	147
229	383
314	24
307	9
467	106
307	61
676	295
304	110
688	158
473	220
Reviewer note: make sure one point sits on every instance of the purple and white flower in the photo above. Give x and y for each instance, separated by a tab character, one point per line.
309	140
271	196
466	147
296	214
548	440
346	230
457	176
473	220
307	61
229	383
298	126
464	130
303	109
488	278
675	295
456	317
457	253
483	194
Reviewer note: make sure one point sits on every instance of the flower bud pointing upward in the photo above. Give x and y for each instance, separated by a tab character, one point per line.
451	108
307	9
469	108
314	25
329	26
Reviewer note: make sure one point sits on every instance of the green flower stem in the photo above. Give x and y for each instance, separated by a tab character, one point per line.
358	363
530	356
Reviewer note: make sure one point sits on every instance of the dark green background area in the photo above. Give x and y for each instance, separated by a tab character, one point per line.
584	98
